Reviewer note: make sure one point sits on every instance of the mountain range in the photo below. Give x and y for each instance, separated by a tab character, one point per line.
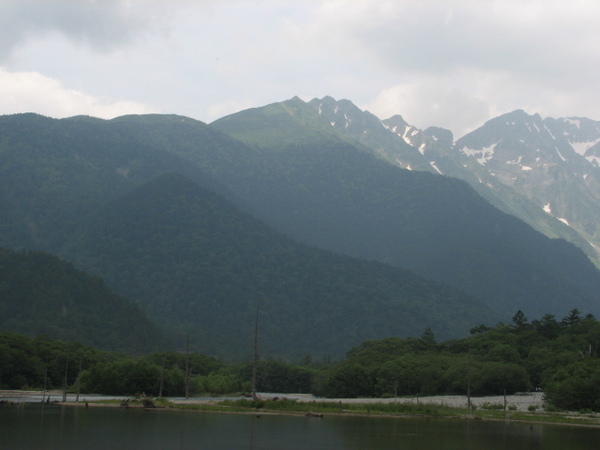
337	227
544	171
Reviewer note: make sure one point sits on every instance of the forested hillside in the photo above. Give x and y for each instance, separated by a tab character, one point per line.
338	197
187	222
558	356
42	295
199	266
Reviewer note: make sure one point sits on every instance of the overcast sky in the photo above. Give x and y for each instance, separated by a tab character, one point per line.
444	63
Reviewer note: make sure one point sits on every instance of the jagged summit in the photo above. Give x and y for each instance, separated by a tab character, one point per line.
542	170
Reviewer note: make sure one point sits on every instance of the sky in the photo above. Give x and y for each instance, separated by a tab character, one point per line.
448	63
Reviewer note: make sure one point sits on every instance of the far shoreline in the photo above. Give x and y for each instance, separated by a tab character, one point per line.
455	406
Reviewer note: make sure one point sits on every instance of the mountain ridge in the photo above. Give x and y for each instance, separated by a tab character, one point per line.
296	174
378	216
434	150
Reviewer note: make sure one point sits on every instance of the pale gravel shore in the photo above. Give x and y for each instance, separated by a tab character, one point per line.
521	402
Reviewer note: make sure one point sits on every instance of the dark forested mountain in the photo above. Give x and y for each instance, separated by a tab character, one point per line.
42	295
54	172
201	267
134	200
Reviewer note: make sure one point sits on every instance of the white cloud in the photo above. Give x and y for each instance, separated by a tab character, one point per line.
33	92
458	63
100	25
463	99
221	109
450	63
436	36
432	103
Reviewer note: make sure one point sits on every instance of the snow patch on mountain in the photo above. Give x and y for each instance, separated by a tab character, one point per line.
436	167
515	162
483	155
549	132
575	122
595	160
582	147
537	129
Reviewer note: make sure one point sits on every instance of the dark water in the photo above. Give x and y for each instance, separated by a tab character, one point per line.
55	427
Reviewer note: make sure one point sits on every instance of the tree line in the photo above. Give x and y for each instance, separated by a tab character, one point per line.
560	357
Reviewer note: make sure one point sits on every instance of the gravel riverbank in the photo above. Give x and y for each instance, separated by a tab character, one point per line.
518	402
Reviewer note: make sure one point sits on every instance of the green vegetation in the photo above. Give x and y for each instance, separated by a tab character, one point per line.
324	407
60	177
199	266
387	409
32	363
560	357
27	363
42	295
338	196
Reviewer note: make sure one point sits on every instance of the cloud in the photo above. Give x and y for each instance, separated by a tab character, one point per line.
101	25
432	103
437	36
465	99
33	92
458	63
450	63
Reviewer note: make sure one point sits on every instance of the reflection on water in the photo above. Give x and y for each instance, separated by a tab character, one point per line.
61	427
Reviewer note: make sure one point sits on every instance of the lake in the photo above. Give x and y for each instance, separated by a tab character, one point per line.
65	427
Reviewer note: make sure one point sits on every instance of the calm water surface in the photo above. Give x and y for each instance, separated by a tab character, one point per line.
56	427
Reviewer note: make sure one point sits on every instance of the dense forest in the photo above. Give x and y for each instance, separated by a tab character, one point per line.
337	195
200	267
295	175
560	357
43	295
